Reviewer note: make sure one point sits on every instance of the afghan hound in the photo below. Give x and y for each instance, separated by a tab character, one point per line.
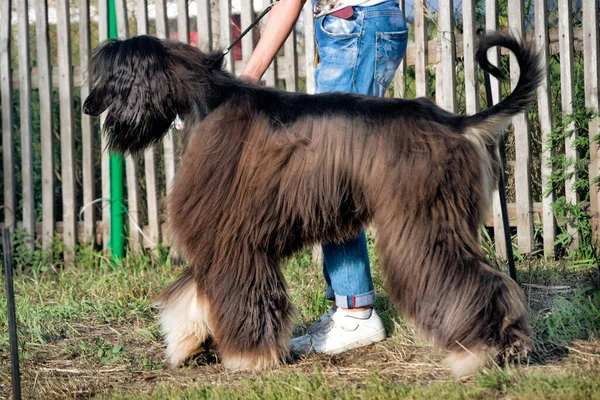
266	173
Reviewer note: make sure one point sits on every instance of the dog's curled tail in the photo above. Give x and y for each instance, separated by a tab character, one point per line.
494	118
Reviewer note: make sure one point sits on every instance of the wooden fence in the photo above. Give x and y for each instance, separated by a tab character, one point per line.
217	24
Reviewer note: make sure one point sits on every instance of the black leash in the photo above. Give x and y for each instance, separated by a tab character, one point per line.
249	28
12	320
501	182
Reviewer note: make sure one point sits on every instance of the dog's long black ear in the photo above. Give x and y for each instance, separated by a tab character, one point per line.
134	80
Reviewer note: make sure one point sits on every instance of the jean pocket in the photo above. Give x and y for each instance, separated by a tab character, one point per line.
338	27
391	47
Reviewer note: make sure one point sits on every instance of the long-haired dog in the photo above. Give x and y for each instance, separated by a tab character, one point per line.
266	173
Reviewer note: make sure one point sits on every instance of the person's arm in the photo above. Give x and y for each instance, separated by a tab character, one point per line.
281	21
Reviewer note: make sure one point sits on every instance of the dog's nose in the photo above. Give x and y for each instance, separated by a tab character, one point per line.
90	108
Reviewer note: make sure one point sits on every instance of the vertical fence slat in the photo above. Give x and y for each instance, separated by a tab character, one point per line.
247	16
46	128
567	83
471	75
545	113
309	47
149	154
591	62
448	56
131	167
399	76
133	203
204	20
522	144
87	127
162	31
226	32
270	76
183	21
25	127
421	48
8	133
122	23
152	195
105	175
65	79
291	63
491	24
141	17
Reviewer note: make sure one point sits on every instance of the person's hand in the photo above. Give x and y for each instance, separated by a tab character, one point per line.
278	27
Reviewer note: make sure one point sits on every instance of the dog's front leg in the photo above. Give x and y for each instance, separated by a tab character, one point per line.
252	315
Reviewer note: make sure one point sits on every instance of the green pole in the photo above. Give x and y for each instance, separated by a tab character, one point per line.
117	237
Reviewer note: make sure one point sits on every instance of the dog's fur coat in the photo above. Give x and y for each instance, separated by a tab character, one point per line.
267	173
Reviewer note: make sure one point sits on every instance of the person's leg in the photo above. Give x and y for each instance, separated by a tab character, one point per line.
338	42
355	56
359	55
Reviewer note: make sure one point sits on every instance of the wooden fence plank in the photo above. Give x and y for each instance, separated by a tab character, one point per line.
141	17
421	48
545	113
46	129
183	21
291	62
591	62
309	47
522	145
133	203
87	126
28	205
567	85
471	74
448	55
399	76
491	24
162	31
149	154
270	76
105	168
152	195
226	36
67	130
122	21
131	167
247	16
8	133
204	21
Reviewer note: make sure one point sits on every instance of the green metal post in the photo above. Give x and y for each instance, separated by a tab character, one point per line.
117	237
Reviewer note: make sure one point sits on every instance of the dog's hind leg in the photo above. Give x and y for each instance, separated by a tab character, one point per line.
437	277
184	318
252	314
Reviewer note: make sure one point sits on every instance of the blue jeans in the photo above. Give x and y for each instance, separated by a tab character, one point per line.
358	55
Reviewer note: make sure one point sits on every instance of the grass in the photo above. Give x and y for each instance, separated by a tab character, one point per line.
90	331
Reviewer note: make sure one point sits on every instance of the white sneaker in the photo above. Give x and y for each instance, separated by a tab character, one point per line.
339	331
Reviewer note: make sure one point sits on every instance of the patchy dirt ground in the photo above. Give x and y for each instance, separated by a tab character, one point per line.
57	378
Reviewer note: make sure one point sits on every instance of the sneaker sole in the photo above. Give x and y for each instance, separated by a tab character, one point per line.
376	337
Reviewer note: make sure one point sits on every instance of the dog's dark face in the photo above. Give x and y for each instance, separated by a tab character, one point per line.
134	80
